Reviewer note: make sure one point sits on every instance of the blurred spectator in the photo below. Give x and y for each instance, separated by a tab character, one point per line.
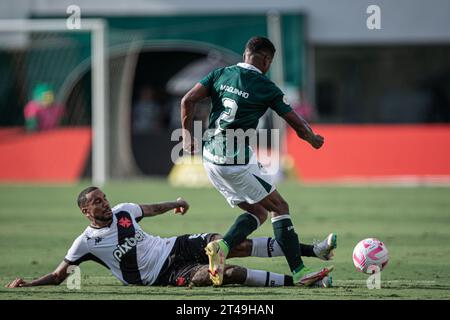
41	113
147	112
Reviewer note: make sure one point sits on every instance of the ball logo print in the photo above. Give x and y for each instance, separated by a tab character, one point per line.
368	253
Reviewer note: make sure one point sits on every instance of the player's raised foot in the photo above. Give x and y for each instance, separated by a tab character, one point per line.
326	282
324	249
307	277
216	255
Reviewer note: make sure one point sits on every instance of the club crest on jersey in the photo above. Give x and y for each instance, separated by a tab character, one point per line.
124	222
128	245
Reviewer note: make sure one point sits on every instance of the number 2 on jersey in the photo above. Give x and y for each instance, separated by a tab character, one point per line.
227	115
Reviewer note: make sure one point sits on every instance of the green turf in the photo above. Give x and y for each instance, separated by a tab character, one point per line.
38	224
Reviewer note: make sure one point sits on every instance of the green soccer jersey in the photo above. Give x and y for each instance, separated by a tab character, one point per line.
240	95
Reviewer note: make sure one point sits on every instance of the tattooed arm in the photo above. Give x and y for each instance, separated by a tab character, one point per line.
150	210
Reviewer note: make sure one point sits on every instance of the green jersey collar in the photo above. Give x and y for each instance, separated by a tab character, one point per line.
248	66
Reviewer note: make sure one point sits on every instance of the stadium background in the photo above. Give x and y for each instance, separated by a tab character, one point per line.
380	97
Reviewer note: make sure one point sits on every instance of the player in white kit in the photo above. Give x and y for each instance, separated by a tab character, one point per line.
115	240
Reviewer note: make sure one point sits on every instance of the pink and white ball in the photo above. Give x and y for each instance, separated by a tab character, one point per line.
370	255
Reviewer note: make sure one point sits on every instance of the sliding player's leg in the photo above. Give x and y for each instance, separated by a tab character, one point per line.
267	247
249	277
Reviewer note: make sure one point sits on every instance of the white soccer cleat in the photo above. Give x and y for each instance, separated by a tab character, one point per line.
324	249
216	258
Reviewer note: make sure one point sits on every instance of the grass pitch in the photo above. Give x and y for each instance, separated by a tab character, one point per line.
38	224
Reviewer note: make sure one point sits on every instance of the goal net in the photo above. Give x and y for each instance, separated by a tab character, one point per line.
44	59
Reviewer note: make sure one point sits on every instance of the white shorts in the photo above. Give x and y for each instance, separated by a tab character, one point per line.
243	183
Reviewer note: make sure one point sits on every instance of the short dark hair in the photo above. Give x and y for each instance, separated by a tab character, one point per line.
82	196
260	44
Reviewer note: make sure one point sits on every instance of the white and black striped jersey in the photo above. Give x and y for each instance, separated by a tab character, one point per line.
132	255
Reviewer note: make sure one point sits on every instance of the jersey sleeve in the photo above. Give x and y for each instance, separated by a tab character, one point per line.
209	79
279	103
134	209
78	252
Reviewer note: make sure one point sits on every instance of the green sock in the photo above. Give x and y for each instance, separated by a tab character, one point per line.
224	246
241	229
288	240
298	274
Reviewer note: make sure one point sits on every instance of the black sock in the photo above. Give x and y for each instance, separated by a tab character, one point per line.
288	240
244	225
288	281
306	250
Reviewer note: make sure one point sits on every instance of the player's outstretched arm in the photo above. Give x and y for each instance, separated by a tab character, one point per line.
54	278
179	206
303	129
196	94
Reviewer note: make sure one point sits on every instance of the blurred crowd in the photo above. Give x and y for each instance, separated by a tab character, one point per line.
42	112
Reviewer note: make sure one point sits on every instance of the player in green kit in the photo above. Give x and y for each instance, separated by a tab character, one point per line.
240	95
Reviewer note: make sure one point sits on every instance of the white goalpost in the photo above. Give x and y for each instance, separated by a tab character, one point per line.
99	74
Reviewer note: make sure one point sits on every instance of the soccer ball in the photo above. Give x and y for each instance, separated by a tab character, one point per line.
370	255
